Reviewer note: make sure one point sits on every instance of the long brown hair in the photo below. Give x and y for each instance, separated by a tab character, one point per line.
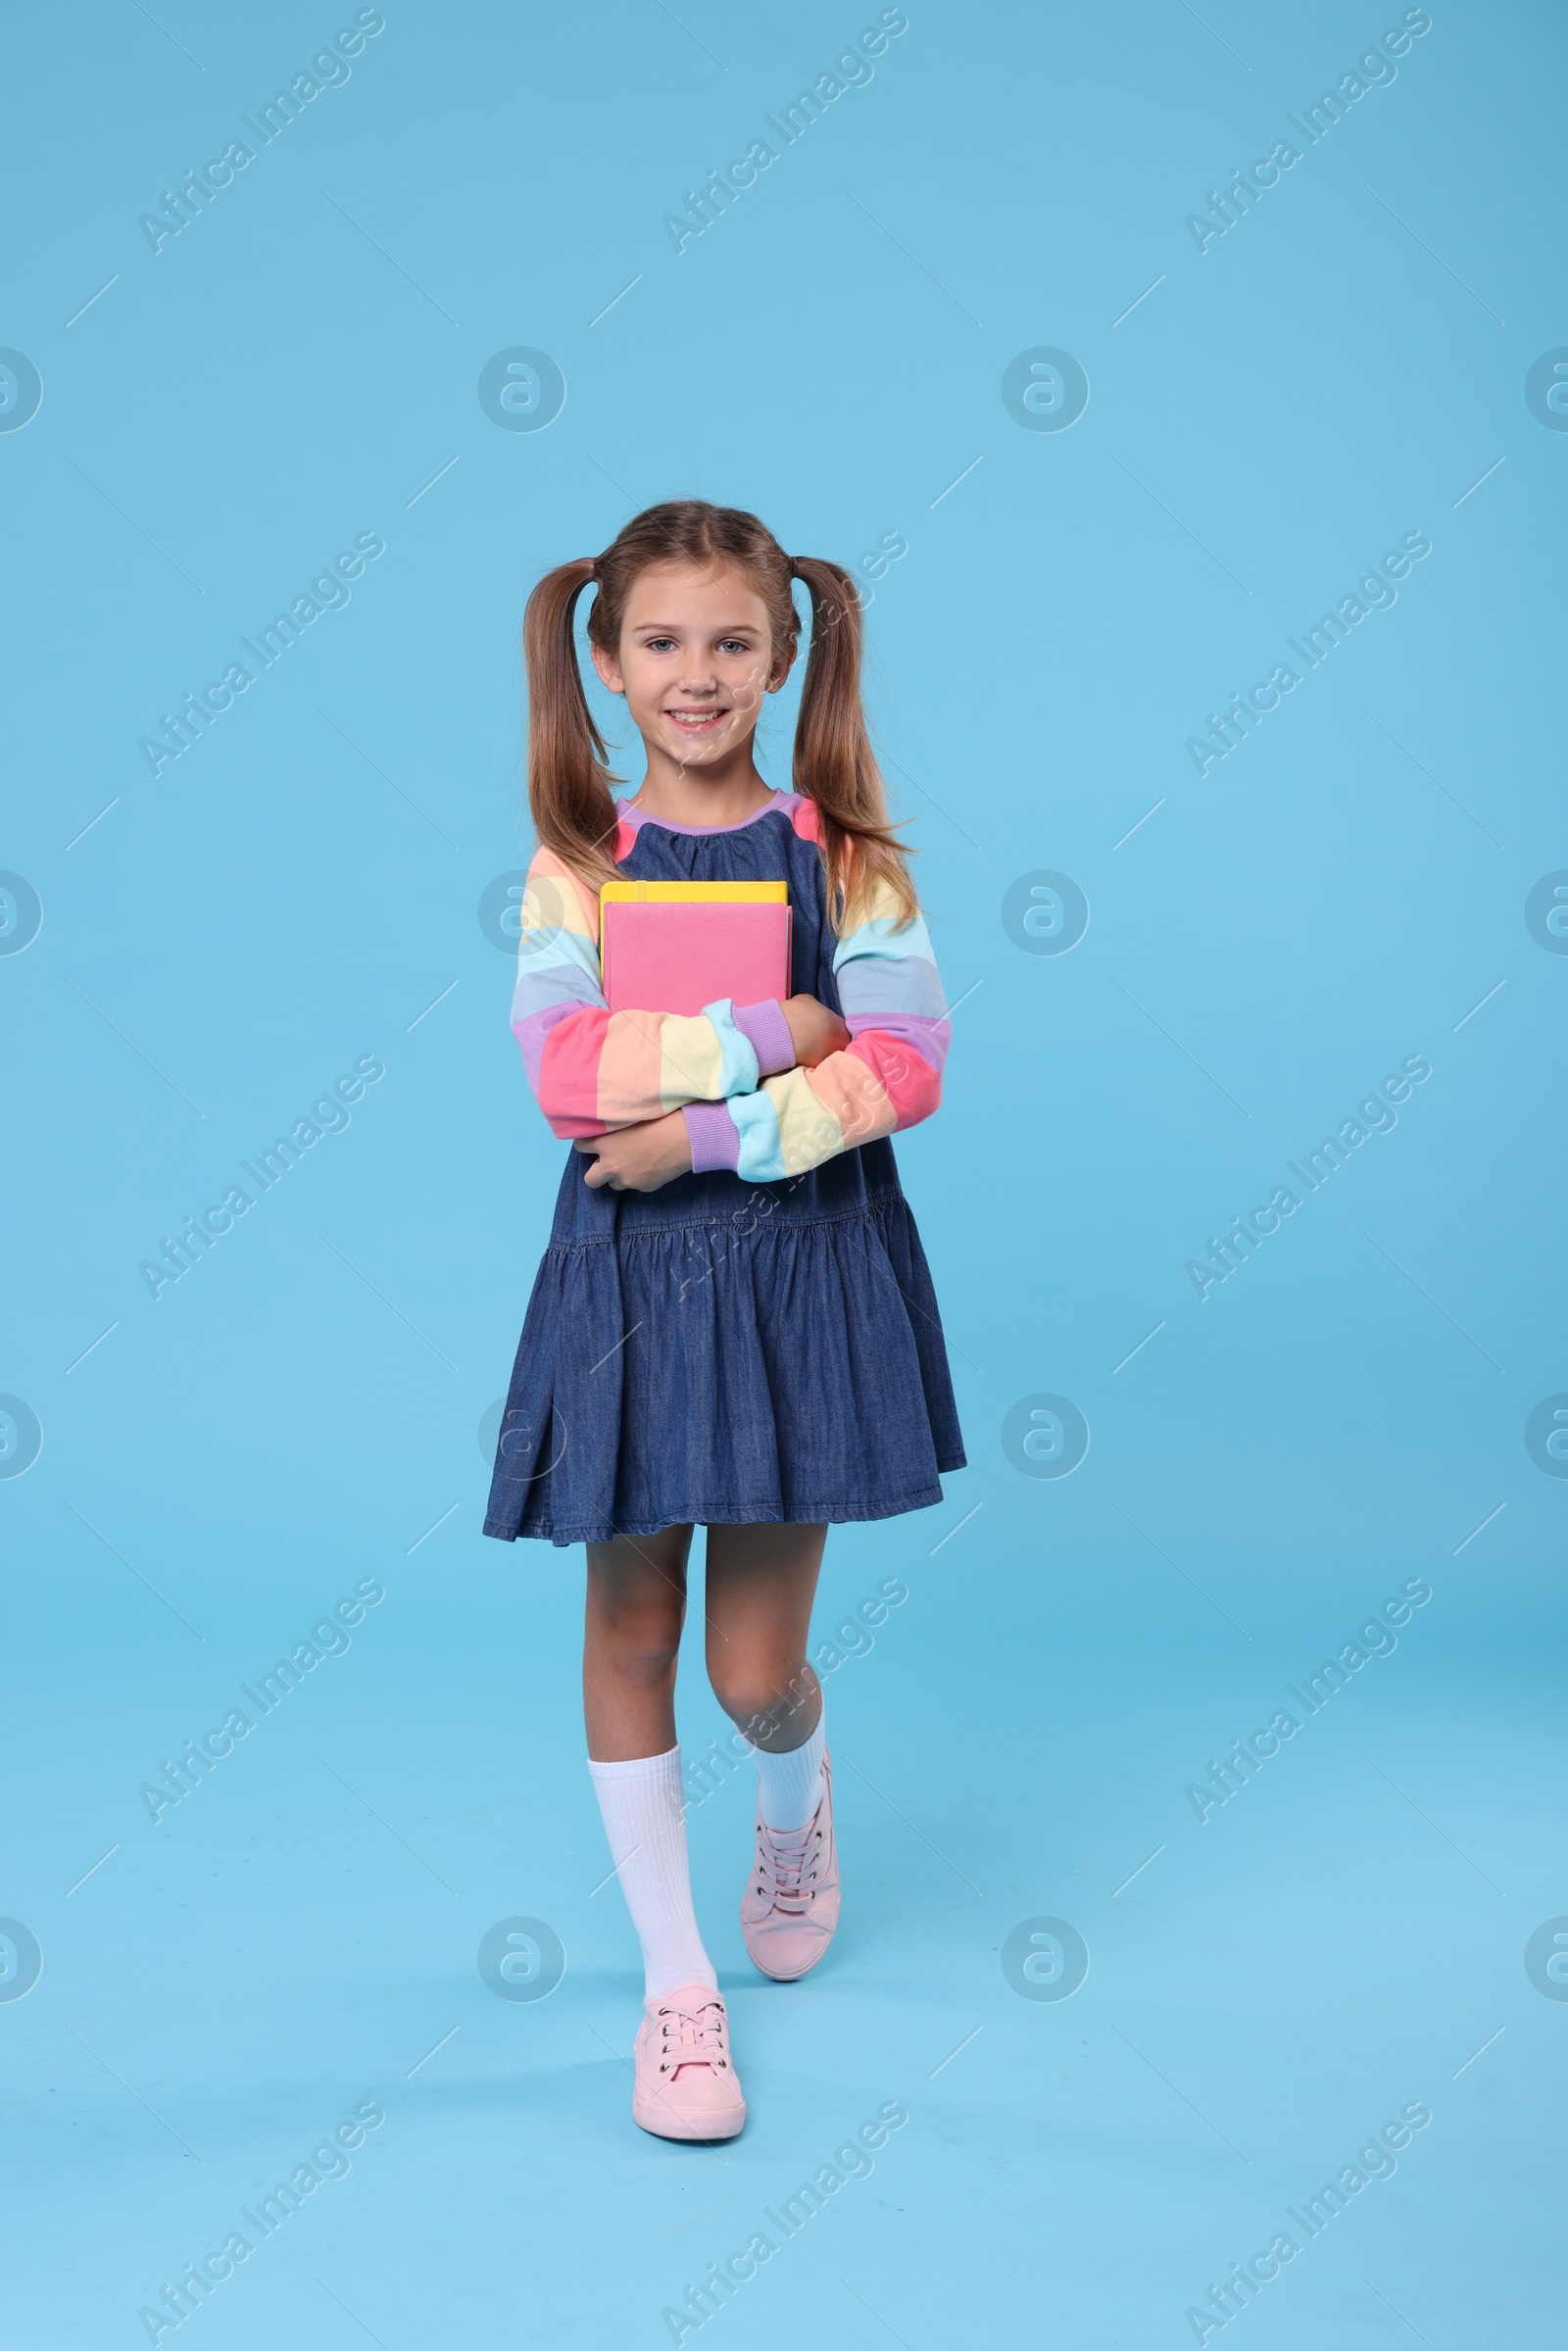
568	778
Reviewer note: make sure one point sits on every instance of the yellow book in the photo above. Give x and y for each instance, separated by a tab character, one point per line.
717	893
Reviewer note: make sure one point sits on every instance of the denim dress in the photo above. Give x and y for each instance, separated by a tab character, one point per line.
721	1352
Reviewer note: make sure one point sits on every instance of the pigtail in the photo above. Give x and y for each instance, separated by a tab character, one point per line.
834	765
568	781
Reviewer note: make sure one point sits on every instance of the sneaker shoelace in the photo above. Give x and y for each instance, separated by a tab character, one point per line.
787	1861
693	2037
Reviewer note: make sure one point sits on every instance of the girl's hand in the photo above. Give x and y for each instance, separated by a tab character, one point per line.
638	1159
815	1030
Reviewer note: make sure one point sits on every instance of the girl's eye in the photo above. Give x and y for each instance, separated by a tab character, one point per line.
660	644
733	645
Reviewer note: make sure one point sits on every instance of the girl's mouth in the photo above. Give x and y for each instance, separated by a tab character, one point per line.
697	722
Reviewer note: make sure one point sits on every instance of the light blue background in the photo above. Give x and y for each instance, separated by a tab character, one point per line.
301	1410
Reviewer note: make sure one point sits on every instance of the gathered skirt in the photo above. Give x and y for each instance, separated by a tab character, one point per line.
719	1353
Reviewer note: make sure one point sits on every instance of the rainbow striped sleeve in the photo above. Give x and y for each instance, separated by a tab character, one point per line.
889	1078
591	1069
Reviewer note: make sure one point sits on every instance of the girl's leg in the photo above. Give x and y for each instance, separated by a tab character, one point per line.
636	1604
760	1583
636	1607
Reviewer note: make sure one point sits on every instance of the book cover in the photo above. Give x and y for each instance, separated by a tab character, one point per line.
673	947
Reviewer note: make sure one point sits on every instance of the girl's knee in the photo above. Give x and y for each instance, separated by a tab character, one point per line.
762	1704
637	1606
640	1639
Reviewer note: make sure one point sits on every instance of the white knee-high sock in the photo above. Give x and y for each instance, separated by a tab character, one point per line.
789	1787
643	1804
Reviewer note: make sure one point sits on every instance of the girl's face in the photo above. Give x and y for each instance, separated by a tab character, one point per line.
695	659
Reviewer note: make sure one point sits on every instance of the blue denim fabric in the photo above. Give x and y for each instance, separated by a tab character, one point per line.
726	1352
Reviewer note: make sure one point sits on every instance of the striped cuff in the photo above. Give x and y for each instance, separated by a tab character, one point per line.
738	1073
715	1138
768	1029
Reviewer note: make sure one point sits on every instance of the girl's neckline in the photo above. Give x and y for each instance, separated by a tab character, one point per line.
667	825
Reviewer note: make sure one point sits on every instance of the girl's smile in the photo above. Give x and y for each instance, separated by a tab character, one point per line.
697	722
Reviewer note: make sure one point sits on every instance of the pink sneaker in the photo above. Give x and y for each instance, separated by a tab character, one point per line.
791	1906
686	2085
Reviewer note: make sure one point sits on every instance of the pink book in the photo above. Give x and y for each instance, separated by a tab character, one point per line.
675	956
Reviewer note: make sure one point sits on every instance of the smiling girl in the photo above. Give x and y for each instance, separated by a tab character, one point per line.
733	1326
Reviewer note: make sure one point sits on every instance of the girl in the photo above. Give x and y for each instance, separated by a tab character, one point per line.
733	1325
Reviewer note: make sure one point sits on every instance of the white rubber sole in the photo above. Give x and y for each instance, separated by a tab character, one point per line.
660	2120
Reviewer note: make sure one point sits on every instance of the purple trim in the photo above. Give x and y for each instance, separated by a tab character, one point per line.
767	1030
715	1136
638	817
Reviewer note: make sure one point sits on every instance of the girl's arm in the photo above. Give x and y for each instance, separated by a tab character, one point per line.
889	1078
594	1069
